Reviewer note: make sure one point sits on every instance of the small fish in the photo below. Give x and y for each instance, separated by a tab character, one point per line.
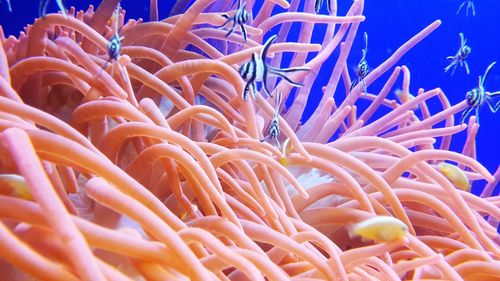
115	43
42	9
274	127
240	18
319	3
362	69
470	5
477	96
455	175
380	229
257	70
15	186
286	148
462	54
114	47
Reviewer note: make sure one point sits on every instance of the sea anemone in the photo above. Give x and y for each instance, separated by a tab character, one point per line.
150	165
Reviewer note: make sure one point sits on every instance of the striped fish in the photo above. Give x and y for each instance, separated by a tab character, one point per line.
115	43
460	57
240	18
362	69
477	96
257	69
274	127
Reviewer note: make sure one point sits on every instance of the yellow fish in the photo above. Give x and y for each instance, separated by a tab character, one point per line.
380	229
286	148
15	185
455	175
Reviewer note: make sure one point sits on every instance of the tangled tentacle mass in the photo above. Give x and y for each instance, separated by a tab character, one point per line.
149	166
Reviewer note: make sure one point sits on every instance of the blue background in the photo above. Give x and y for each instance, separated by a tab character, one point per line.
389	23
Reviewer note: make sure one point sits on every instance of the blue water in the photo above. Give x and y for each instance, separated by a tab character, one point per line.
389	23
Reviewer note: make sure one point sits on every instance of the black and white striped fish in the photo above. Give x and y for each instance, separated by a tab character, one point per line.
477	96
462	54
240	18
274	127
257	69
114	46
362	69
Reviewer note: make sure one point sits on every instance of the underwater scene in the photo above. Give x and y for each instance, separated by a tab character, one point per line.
299	140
